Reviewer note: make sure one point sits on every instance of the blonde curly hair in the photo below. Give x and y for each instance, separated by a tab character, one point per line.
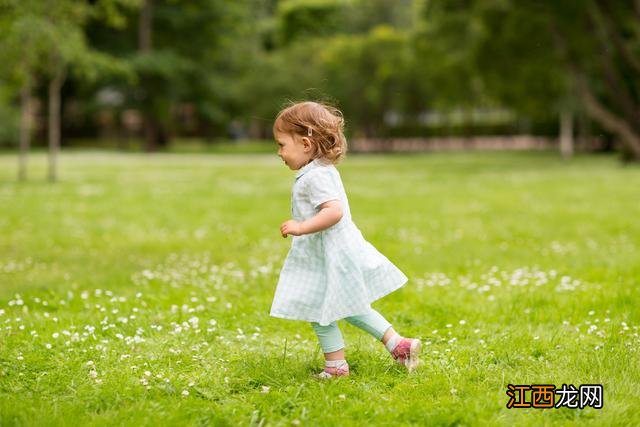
323	124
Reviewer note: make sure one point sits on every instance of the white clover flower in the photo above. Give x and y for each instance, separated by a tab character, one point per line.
185	392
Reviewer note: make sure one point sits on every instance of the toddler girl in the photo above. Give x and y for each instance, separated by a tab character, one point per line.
331	272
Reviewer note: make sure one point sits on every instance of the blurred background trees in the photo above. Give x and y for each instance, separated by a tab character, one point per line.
148	73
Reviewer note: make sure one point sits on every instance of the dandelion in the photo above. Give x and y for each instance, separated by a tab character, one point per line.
47	346
265	389
185	392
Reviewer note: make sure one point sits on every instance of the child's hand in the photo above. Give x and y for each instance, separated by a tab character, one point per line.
291	227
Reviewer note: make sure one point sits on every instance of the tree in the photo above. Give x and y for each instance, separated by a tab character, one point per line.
42	40
547	57
366	73
180	52
23	40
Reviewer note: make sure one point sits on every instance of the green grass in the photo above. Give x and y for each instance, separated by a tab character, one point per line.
136	291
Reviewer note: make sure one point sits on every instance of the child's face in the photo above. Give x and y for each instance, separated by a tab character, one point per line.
296	152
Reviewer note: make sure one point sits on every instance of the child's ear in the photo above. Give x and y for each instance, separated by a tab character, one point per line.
306	143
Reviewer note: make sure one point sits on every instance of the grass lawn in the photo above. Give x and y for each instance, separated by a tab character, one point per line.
136	291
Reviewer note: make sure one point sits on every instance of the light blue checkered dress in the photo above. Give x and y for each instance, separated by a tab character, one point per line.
334	273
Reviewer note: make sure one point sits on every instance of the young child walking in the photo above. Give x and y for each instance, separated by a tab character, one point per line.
331	272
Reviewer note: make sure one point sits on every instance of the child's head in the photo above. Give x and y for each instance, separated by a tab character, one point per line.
317	126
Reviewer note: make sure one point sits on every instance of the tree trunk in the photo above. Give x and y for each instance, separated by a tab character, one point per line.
25	128
566	134
144	26
55	86
154	134
629	138
152	130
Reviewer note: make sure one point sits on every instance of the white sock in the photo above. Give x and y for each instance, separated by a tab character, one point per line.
334	363
393	342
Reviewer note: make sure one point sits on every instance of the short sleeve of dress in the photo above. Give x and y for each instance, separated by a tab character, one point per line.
321	187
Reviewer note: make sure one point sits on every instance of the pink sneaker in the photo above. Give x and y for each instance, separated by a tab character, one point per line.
407	353
330	372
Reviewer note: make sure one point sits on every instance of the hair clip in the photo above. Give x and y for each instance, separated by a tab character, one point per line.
309	131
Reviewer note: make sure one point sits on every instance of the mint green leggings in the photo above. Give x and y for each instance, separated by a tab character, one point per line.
330	336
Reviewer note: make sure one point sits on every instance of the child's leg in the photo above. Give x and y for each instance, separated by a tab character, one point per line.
373	323
404	350
332	346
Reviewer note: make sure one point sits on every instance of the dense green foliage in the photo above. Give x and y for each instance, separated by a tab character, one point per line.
212	67
136	291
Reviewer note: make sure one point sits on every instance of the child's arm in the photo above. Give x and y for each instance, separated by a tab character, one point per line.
330	213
